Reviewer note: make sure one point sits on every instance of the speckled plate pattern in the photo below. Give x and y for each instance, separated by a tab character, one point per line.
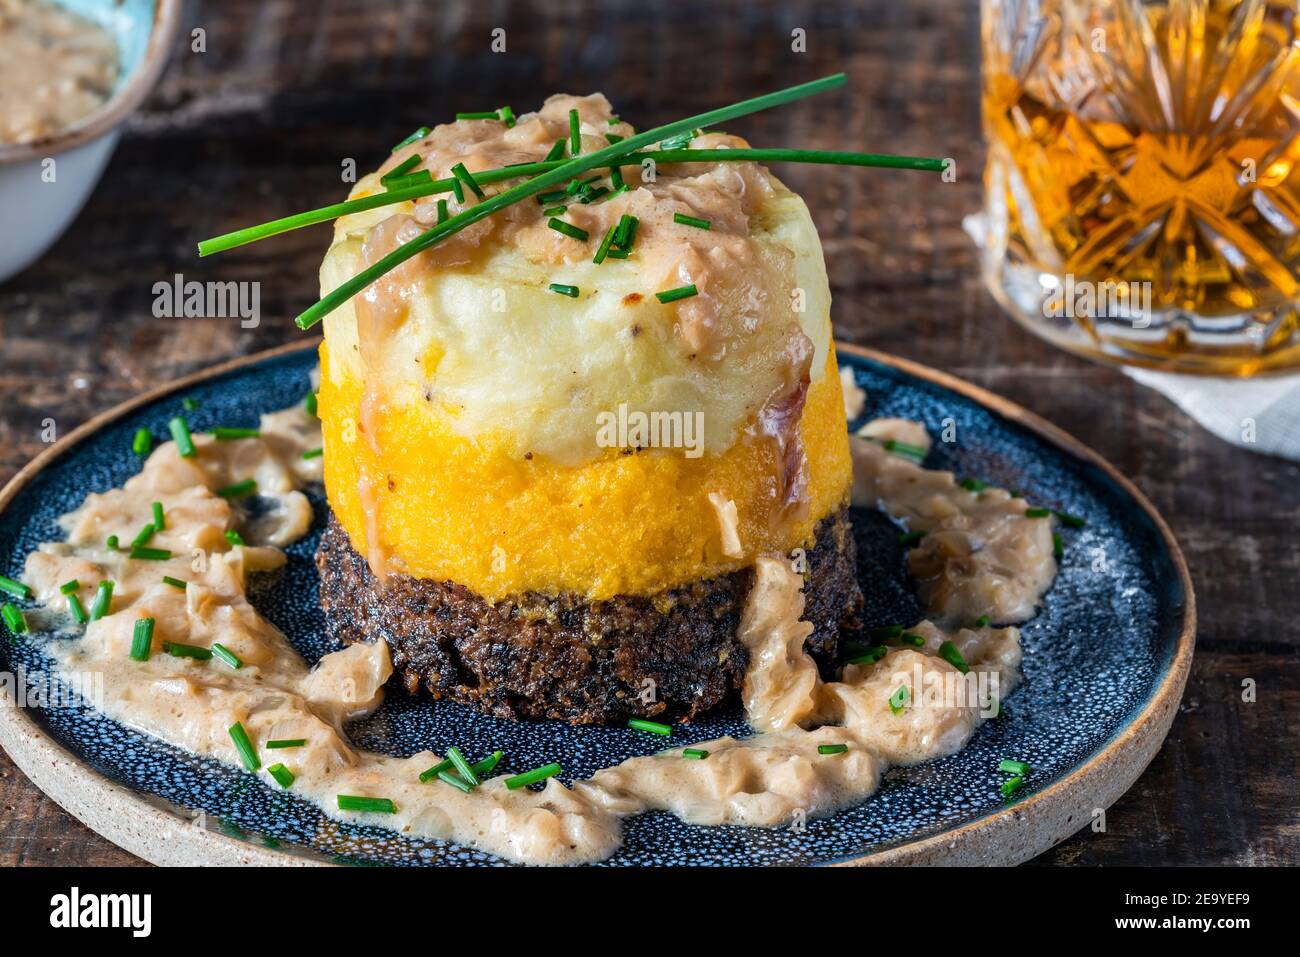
1104	665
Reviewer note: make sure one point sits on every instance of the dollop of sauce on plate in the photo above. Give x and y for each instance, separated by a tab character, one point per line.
56	67
818	746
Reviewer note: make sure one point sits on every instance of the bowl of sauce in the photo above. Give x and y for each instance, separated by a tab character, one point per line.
71	71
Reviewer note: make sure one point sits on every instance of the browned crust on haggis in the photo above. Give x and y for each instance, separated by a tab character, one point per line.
538	656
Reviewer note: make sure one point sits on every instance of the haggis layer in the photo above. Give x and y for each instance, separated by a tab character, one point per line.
671	656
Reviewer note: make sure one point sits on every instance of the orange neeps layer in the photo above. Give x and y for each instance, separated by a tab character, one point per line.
452	508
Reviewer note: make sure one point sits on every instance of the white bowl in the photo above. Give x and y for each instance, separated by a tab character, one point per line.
37	211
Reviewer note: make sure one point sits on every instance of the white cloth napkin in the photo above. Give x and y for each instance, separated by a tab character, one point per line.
1262	415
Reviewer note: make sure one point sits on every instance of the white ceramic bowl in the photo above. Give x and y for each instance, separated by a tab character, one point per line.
37	211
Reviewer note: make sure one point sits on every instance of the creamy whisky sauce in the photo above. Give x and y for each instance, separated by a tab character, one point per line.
56	68
767	779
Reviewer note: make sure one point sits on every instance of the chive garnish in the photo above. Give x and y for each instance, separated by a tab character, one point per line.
484	768
309	403
175	582
239	489
433	772
1058	545
681	292
1008	766
401	169
909	638
683	220
419	134
419	178
871	656
146	554
68	587
568	229
142	639
466	772
14	618
577	185
563	290
481	115
283	776
888	631
908	539
694	754
234	538
455	780
1011	786
159	520
313	453
1073	521
532	777
226	433
625	234
178	650
279	744
466	177
1037	512
442	211
180	430
111	543
77	609
973	485
226	655
506	116
603	249
556	152
142	442
616	174
982	621
654	727
103	598
898	699
15	588
247	753
832	748
354	802
458	190
575	133
554	211
189	403
949	653
914	452
143	535
557	196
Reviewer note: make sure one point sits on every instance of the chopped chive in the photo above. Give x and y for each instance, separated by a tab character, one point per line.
568	229
949	653
175	582
617	253
1011	786
283	776
458	190
77	609
247	753
401	169
68	587
189	403
1072	521
626	232
908	539
239	489
142	442
614	121
576	185
103	598
455	780
466	772
683	220
563	290
532	777
178	650
1008	766
982	621
433	772
616	175
694	754
908	638
555	211
973	485
142	639
419	134
353	802
679	141
14	618
681	292
279	744
465	176
888	631
654	727
898	699
484	768
309	403
832	748
419	178
143	536
180	430
15	588
575	133
111	543
506	116
603	250
313	454
480	115
226	655
914	452
556	152
234	538
1058	546
223	433
442	210
591	195
870	657
159	520
146	554
556	196
1037	512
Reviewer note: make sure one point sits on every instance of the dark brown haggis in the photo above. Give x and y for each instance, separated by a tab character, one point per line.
588	662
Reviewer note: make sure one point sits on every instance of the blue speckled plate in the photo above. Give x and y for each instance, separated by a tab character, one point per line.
1104	663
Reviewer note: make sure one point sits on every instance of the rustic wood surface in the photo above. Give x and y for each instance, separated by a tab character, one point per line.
258	125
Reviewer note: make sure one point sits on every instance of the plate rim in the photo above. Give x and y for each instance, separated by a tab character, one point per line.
1010	835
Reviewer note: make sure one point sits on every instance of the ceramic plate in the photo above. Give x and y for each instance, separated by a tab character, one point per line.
1104	662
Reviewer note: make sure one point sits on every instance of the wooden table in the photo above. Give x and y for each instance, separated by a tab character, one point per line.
258	125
